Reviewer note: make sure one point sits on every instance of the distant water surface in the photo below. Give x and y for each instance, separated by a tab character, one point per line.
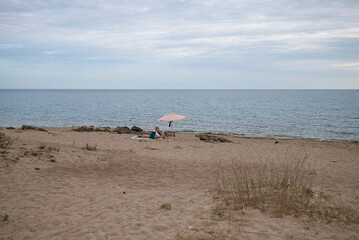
321	114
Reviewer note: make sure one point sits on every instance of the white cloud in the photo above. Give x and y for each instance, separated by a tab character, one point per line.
215	31
352	65
11	46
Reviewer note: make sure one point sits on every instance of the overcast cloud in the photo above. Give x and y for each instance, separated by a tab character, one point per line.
179	44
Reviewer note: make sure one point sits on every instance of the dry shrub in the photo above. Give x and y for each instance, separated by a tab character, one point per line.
327	208
5	141
281	187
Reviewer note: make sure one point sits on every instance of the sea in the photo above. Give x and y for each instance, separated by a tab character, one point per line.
317	114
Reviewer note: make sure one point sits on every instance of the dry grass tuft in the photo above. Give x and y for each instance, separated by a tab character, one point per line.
281	187
327	208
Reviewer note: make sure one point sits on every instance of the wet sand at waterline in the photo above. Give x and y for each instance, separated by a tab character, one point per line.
52	187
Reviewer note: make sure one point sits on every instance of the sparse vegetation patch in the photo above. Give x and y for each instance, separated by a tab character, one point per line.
5	217
5	141
42	146
166	206
282	187
89	148
51	149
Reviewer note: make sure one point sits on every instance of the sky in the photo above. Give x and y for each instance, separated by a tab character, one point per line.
163	44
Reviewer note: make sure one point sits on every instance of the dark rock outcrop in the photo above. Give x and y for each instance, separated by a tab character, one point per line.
123	130
28	127
91	129
119	130
137	129
84	129
211	138
104	129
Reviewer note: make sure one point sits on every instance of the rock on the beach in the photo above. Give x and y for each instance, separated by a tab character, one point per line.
211	138
104	129
28	127
123	130
91	129
137	129
84	129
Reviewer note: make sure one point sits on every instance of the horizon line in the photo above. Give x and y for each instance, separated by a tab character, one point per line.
328	89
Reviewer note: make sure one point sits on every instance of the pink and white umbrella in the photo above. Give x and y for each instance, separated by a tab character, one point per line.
170	118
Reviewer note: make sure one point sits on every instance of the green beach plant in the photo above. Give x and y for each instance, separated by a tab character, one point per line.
52	149
166	206
42	146
49	148
5	217
89	148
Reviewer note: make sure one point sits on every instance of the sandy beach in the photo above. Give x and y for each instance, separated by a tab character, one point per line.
52	187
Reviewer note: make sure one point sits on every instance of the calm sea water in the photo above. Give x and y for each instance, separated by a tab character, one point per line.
322	114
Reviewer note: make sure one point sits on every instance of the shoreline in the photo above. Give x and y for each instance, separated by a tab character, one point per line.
213	133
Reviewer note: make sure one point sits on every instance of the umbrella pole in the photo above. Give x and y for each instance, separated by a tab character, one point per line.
172	130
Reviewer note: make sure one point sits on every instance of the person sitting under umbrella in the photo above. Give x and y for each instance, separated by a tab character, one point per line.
160	133
170	118
157	133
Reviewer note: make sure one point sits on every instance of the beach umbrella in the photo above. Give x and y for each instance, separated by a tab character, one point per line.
170	118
